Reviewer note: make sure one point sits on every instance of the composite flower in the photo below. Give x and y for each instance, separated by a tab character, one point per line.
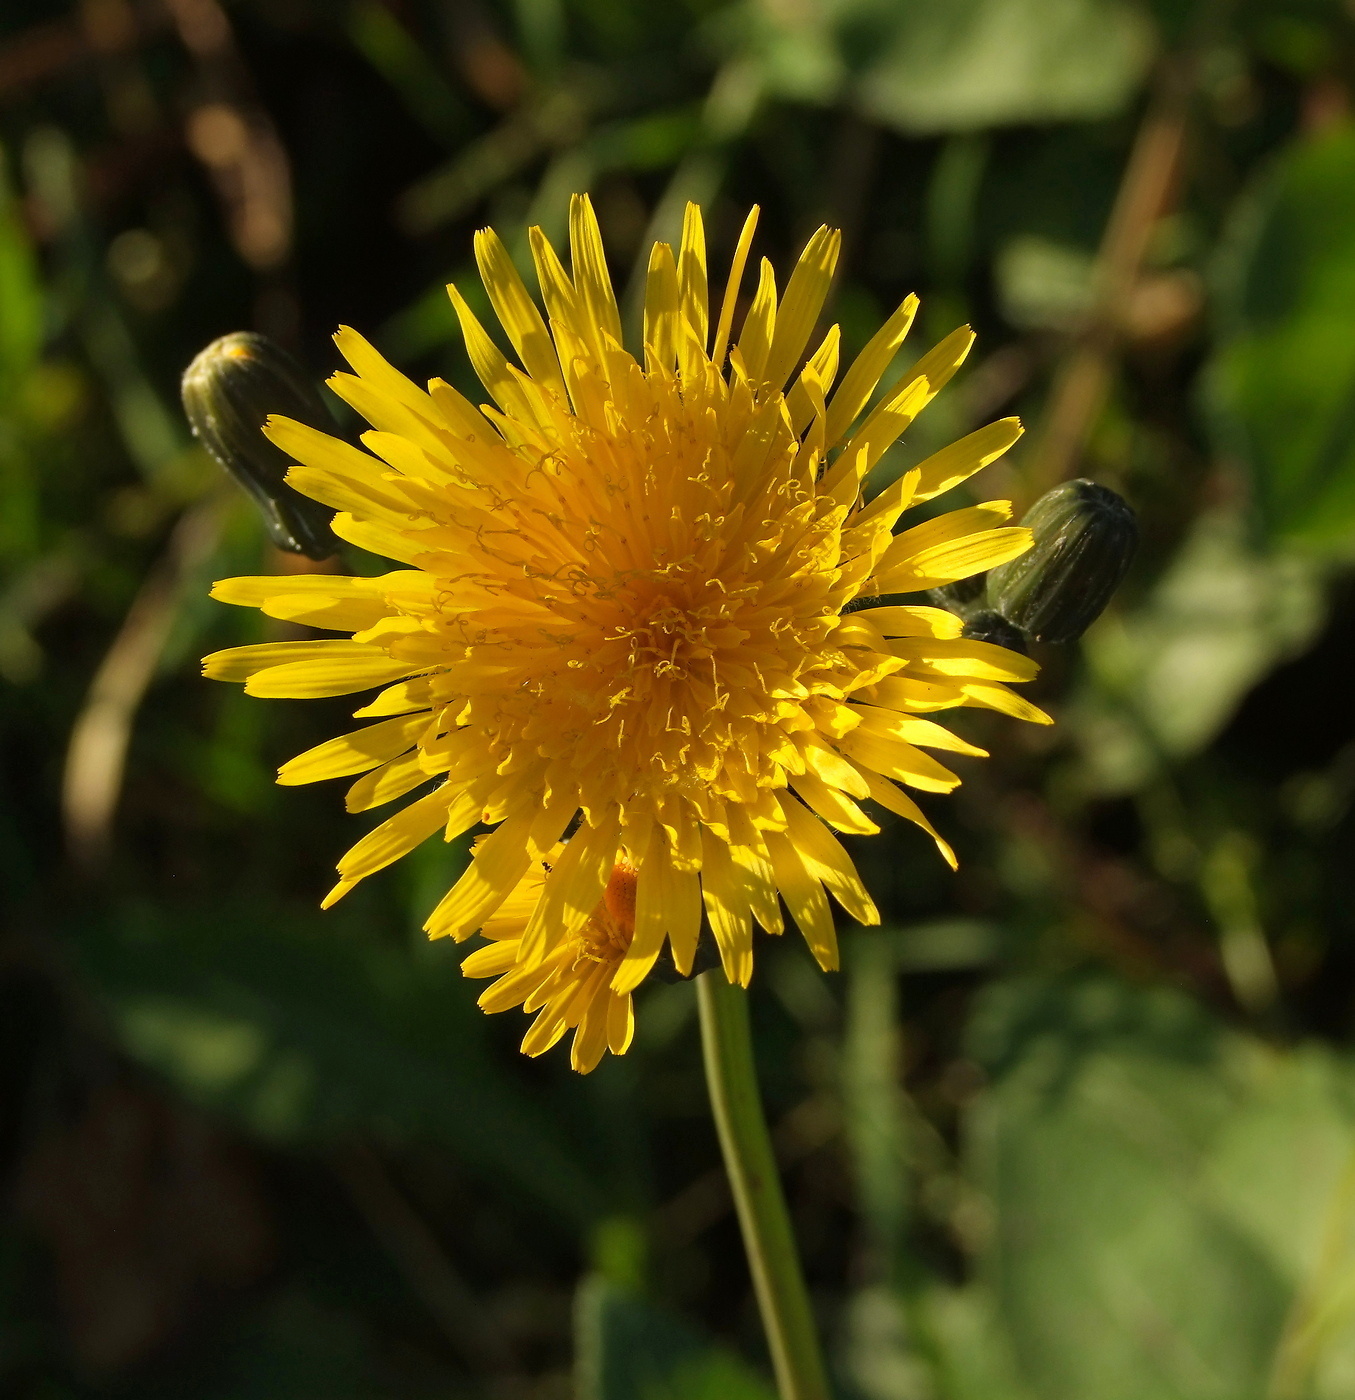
648	628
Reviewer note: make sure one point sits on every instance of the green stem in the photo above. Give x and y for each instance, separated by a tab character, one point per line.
731	1077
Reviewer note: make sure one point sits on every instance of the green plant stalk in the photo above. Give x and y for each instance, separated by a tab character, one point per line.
731	1077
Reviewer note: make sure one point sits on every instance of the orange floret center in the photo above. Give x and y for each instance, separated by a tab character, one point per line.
611	926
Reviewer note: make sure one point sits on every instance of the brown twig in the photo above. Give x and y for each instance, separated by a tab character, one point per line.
96	756
51	49
234	137
1147	191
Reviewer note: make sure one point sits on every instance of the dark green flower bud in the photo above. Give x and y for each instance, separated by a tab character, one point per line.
1085	537
228	392
994	628
962	597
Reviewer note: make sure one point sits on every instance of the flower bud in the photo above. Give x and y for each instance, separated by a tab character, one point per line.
993	628
1085	537
963	597
228	391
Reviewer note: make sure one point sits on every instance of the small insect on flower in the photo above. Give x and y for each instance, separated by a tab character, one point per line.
637	605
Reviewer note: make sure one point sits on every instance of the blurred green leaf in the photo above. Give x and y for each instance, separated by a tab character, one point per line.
964	64
1281	385
306	1033
394	52
1165	1195
954	65
1043	285
942	1344
1167	676
22	303
293	1348
627	1349
877	1111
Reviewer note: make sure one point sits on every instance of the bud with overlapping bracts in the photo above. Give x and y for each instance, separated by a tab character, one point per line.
1085	538
228	391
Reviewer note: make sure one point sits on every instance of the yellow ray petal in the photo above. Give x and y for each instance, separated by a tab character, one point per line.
456	412
395	837
958	462
731	297
992	696
517	311
407	695
956	559
864	374
682	914
936	367
650	908
557	287
943	529
310	680
805	899
380	537
827	862
368	362
497	865
895	759
821	370
253	591
692	275
890	724
354	753
592	282
334	614
895	800
879	433
385	784
492	961
590	1040
240	663
489	362
915	622
574	887
833	805
759	884
799	310
726	901
620	1024
662	309
755	341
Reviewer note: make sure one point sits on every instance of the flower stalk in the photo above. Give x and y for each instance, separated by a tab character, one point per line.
731	1078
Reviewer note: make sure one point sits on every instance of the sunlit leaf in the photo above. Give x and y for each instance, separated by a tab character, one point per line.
1281	386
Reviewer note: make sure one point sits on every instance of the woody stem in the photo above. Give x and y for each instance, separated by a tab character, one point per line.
731	1078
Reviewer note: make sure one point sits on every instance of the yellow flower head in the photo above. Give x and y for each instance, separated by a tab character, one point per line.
625	616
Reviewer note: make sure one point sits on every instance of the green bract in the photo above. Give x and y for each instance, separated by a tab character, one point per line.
228	391
1085	537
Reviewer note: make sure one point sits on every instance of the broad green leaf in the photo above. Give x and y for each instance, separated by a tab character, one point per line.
953	65
1281	384
962	64
1173	1207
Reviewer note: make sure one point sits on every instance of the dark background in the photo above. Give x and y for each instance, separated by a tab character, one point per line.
1079	1122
